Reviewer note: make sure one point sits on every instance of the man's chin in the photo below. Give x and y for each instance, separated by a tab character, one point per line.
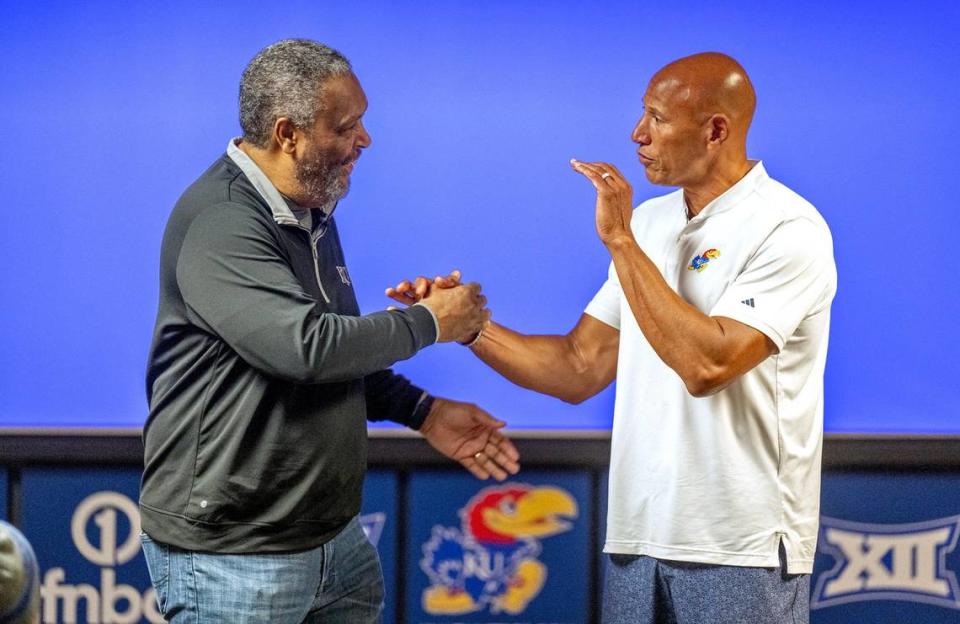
655	176
343	188
331	194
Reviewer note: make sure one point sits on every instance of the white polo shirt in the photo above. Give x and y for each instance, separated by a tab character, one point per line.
724	479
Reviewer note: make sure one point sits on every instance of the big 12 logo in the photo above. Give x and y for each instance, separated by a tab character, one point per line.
888	562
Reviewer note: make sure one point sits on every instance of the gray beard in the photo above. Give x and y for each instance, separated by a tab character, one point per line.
320	183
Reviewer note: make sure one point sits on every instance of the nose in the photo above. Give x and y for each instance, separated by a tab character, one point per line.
640	132
363	138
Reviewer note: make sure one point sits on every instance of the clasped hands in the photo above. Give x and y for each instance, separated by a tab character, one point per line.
460	309
462	431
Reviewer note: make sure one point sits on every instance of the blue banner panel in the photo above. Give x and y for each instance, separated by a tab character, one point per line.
379	519
85	528
887	550
517	551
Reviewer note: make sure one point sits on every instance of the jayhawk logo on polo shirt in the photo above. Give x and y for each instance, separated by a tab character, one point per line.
492	563
699	262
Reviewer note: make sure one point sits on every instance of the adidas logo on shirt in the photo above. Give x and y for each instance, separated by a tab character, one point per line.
748	302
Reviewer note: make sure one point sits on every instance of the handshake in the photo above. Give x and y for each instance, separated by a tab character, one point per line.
460	309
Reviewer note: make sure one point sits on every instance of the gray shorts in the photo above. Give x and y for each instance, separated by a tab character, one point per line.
643	590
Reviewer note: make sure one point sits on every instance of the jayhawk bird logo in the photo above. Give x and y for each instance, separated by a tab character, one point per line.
699	263
492	561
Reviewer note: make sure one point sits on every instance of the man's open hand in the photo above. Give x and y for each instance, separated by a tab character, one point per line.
471	436
614	199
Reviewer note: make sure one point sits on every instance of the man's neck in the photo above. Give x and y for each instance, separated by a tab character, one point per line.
698	196
267	161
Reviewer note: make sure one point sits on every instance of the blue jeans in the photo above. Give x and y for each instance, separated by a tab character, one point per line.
339	582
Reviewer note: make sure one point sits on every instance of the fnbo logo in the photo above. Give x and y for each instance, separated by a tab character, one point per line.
96	528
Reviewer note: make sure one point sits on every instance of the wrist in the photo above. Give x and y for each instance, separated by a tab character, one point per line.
433	409
469	342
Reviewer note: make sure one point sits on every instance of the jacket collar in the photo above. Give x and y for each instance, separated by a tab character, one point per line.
281	212
279	205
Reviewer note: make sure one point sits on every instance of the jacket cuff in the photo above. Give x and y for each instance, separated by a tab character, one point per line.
420	412
421	313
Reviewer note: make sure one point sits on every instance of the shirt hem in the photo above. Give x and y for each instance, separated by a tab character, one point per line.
712	557
236	537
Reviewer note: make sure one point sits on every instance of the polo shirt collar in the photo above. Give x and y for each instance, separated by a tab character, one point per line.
278	204
733	195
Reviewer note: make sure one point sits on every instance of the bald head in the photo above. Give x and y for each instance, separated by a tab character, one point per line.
709	83
693	133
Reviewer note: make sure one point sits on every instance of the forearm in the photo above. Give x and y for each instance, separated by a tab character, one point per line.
334	347
348	347
686	339
282	335
547	364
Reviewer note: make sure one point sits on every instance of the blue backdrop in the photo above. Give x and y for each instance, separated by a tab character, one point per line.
111	109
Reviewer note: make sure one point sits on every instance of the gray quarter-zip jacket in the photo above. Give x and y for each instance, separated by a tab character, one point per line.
262	373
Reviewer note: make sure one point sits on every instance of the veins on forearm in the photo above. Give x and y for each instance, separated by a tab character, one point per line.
545	364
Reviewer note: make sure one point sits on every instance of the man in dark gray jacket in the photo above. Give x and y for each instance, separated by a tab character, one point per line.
262	371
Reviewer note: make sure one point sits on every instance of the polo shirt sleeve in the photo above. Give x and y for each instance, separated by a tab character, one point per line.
790	277
605	306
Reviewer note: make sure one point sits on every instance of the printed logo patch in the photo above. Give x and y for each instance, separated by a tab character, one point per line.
699	263
888	562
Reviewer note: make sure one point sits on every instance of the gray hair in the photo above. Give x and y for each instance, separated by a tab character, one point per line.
286	79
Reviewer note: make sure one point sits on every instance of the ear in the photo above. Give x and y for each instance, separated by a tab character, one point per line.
718	128
285	135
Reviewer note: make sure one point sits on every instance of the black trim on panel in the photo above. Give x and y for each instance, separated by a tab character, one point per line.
62	447
399	452
561	449
891	453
